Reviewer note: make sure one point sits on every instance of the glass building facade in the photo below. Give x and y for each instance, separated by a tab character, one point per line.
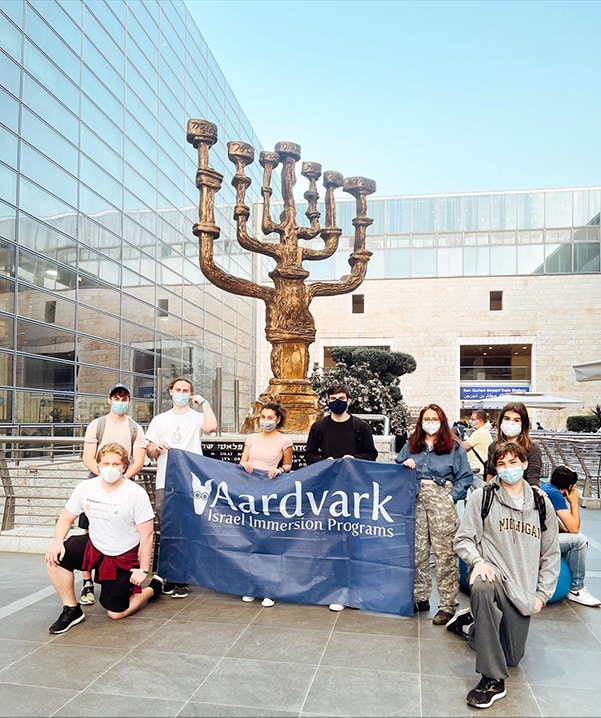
480	234
99	275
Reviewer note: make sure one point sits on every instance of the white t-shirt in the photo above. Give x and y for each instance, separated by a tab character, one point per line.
113	515
180	431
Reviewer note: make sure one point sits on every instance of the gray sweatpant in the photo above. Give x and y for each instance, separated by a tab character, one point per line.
499	632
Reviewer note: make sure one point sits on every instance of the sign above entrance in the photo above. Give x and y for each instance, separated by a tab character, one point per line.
470	393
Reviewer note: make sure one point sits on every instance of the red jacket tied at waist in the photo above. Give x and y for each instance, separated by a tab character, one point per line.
107	570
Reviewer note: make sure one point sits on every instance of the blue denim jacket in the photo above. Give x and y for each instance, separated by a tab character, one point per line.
441	468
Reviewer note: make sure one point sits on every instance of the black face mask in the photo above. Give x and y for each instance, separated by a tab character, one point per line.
338	406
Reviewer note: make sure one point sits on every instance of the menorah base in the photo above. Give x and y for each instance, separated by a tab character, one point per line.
298	399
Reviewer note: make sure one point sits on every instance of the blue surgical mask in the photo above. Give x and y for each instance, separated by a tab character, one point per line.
120	407
472	423
338	406
267	425
181	399
511	476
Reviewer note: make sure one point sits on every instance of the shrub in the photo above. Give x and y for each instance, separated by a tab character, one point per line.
582	423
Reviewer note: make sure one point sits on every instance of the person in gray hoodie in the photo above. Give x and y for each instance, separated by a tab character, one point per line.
514	558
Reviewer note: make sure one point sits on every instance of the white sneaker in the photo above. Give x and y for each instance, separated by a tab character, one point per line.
584	596
267	602
336	607
248	599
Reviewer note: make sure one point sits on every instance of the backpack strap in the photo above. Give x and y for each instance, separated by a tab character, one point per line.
101	426
480	459
539	503
541	507
487	497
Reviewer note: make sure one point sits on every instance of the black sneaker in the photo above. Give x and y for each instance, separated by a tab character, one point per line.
460	623
420	606
168	589
486	692
71	616
87	593
180	590
158	586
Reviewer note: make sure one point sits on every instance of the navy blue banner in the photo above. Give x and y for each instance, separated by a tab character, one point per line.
335	532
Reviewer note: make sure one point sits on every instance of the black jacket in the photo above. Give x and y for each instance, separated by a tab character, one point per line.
364	440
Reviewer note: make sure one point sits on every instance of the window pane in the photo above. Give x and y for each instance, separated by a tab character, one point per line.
450	214
587	205
423	263
9	111
423	215
7	295
37	167
9	143
44	273
97	324
6	330
475	261
586	257
6	378
558	259
45	307
502	260
42	407
559	209
477	212
450	262
531	259
503	211
531	210
45	339
8	184
47	240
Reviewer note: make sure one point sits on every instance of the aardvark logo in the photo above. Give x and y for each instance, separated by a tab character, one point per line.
201	493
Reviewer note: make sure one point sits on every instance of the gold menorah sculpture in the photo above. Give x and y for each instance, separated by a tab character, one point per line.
289	325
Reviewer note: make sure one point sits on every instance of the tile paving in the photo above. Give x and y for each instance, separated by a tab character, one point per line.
212	655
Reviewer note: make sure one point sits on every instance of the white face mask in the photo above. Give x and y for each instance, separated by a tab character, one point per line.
110	474
265	425
431	427
511	428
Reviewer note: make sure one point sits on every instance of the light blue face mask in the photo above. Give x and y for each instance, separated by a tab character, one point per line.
181	399
120	407
511	476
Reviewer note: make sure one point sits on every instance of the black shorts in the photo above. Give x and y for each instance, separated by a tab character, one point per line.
114	595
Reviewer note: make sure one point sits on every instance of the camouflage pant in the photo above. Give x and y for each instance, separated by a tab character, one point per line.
436	523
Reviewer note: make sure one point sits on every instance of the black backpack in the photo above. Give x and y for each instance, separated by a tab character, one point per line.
539	502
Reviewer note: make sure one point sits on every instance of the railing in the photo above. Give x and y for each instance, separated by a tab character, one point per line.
38	473
580	451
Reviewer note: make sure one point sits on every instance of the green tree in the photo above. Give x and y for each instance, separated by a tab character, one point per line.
373	377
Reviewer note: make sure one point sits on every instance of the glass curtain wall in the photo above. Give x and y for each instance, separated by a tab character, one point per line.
484	234
99	275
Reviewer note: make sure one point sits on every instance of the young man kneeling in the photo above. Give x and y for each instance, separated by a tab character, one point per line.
118	546
514	558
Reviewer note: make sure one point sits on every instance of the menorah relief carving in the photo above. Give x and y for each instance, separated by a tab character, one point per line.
289	325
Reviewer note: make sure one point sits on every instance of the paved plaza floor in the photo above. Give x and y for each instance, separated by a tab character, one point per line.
213	655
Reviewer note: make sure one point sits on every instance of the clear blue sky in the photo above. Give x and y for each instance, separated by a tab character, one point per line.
423	97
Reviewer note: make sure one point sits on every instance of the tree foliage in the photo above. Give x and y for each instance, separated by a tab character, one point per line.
582	423
373	377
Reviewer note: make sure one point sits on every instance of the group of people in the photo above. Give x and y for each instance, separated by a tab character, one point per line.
511	536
